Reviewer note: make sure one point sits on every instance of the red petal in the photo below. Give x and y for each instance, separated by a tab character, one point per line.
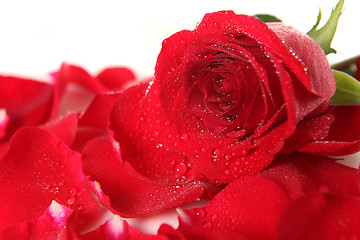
250	206
98	112
37	169
187	231
139	142
130	193
75	74
64	128
116	78
52	225
27	102
115	229
310	130
299	174
344	134
321	216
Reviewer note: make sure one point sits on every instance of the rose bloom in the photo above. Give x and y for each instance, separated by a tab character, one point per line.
237	114
226	98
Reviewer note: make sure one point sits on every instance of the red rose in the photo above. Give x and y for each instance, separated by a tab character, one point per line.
225	98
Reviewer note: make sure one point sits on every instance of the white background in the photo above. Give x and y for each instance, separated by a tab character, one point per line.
36	36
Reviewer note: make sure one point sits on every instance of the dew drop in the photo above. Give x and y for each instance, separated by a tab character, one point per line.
73	191
166	123
216	152
202	149
180	169
227	157
207	225
227	172
213	217
71	200
184	137
215	160
199	212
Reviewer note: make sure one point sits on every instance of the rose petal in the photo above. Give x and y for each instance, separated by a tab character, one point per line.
310	130
27	102
64	128
344	134
116	78
138	142
187	231
52	225
321	216
299	174
250	206
37	169
74	74
117	228
131	194
98	112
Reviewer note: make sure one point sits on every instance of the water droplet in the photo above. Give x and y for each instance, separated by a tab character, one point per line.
166	123
180	169
207	225
227	157
216	152
213	217
73	191
199	212
227	172
184	137
202	149
215	160
71	200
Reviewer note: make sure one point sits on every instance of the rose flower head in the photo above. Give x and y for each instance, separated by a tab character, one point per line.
225	99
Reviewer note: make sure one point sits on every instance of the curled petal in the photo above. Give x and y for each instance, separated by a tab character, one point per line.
344	134
128	193
27	102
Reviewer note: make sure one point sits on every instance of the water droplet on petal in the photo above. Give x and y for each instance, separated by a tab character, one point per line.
207	225
216	152
215	160
180	169
202	149
199	212
184	137
71	200
227	157
227	172
213	217
73	192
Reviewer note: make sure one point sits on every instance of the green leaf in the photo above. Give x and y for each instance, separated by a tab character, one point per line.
347	90
325	35
267	18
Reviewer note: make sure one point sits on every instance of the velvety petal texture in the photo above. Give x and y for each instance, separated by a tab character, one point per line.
225	98
128	193
37	169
